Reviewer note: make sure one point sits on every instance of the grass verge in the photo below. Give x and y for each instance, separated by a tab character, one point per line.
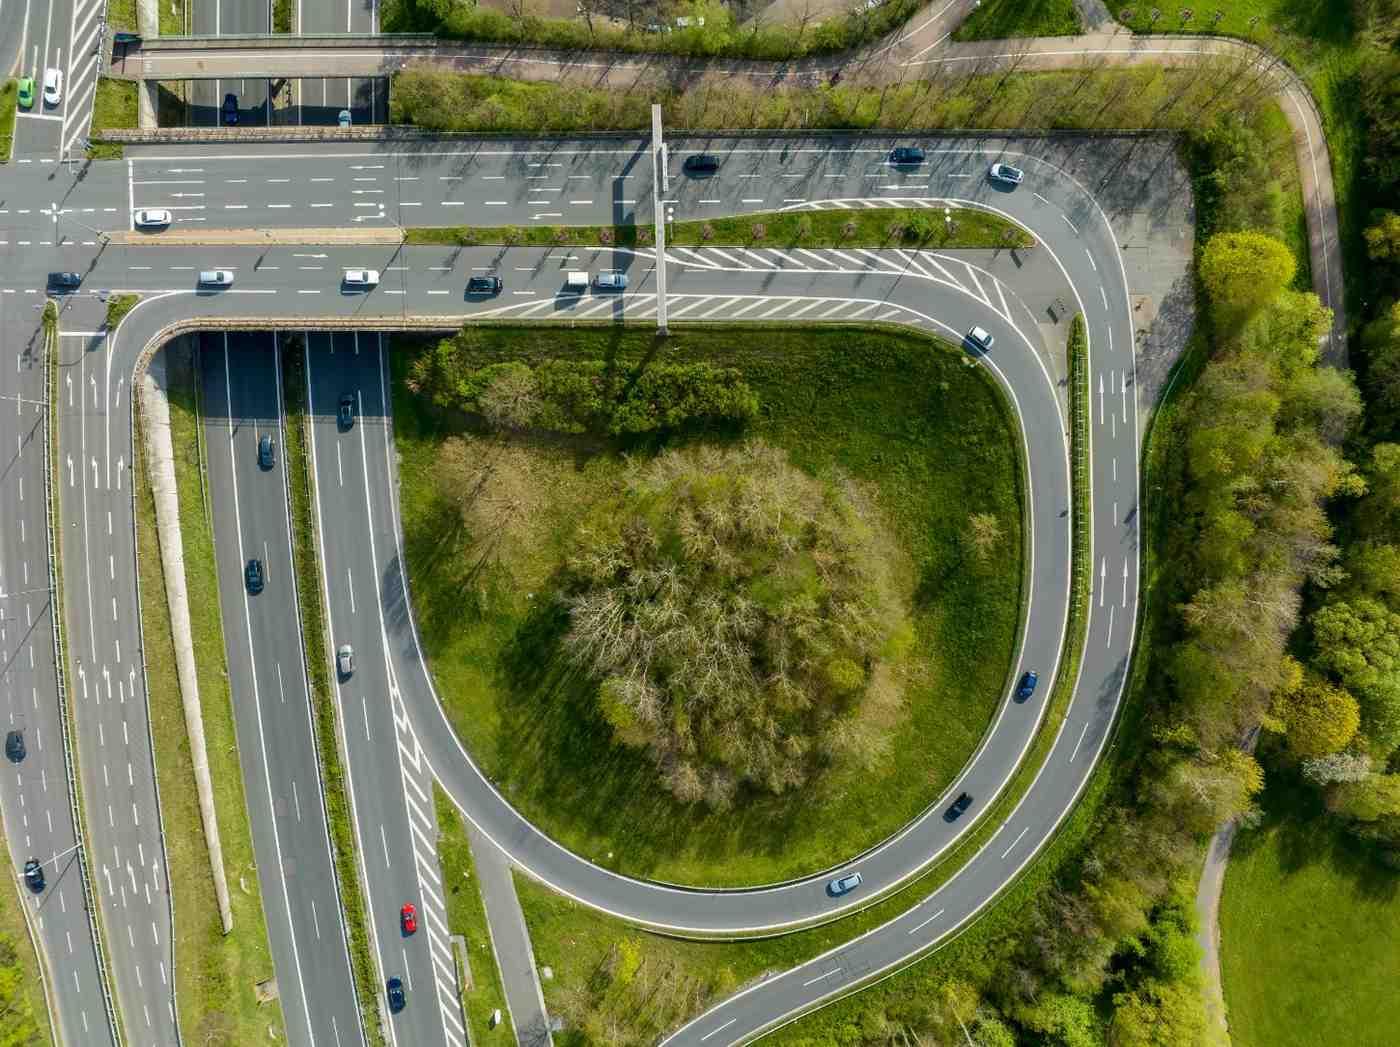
174	19
9	113
591	953
1309	931
466	916
113	108
216	975
307	564
118	305
22	997
878	227
121	14
929	437
1000	19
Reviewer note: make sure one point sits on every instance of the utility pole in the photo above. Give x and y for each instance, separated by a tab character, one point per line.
659	183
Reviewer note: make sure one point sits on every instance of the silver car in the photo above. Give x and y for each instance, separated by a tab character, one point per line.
345	660
1006	173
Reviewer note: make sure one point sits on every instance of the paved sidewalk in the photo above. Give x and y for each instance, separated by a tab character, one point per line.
510	940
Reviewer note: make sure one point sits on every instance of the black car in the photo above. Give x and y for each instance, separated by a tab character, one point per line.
701	164
910	155
65	281
1026	687
397	1000
962	803
266	455
346	418
253	575
34	875
484	285
230	109
14	746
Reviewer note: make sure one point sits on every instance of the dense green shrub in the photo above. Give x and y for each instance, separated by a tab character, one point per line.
585	396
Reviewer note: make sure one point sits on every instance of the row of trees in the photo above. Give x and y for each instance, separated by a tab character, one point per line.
584	396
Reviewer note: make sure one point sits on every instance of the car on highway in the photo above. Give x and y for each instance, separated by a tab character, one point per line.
408	917
346	417
53	86
981	337
344	118
361	277
700	164
26	92
1026	687
843	885
955	810
345	661
34	875
906	156
397	1000
253	575
610	281
229	110
484	285
216	278
1006	173
14	746
152	218
65	281
267	455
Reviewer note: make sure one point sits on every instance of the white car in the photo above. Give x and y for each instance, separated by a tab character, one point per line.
216	277
1006	173
53	86
345	660
980	338
151	218
610	281
361	277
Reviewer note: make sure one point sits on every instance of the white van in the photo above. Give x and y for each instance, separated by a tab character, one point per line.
575	281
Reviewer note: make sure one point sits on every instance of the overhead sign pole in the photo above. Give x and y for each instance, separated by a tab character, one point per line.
659	182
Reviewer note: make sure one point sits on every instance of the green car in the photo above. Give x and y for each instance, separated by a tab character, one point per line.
26	92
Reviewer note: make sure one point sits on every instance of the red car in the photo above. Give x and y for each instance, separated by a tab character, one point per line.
408	916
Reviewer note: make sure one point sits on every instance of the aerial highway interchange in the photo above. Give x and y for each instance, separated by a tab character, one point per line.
79	217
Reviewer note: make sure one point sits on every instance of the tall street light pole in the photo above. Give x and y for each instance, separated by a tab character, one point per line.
659	184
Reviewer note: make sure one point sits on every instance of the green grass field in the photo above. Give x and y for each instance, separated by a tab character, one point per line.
215	974
466	915
1309	933
998	19
908	416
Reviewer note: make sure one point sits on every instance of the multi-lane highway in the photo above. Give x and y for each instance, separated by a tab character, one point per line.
63	35
242	404
290	286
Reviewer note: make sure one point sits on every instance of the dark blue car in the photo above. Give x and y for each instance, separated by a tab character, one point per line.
1026	687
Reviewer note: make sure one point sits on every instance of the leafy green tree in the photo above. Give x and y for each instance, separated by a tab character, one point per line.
1383	237
1380	338
739	616
1160	1014
1367	800
1070	1020
1318	718
1359	640
1375	568
1245	271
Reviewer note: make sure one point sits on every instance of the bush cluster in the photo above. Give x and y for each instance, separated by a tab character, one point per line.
585	396
739	616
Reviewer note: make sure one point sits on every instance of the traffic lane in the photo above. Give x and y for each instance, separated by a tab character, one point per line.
45	45
211	101
337	366
125	848
268	688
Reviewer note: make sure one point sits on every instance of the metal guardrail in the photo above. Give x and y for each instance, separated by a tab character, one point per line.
55	603
242	41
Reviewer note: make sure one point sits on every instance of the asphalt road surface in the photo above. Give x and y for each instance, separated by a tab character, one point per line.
251	101
64	35
930	290
241	403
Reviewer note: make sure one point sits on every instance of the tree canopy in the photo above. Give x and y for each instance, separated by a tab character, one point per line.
1245	271
740	617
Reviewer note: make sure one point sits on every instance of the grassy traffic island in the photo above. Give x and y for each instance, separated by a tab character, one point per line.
722	611
878	227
